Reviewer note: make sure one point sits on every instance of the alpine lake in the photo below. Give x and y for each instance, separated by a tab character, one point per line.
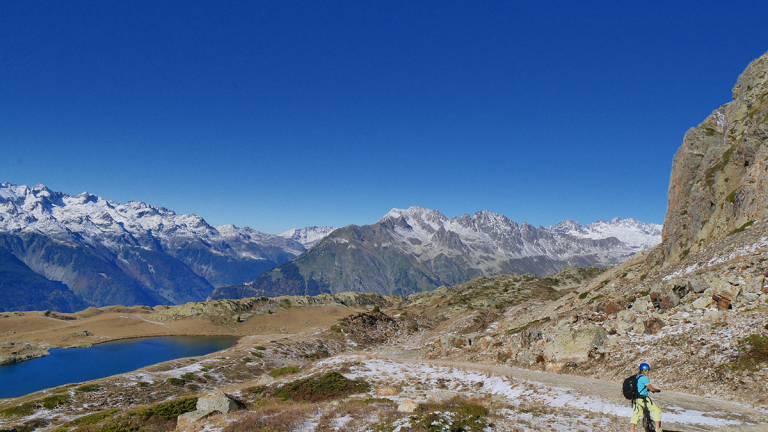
73	365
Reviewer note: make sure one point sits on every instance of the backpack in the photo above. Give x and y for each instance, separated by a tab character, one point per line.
629	388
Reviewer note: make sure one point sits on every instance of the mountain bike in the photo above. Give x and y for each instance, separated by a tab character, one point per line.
648	424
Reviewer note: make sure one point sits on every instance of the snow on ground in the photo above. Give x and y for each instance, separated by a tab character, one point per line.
515	392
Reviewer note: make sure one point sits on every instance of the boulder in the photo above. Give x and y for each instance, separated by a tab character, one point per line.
445	341
698	286
626	316
217	401
755	285
214	402
461	342
407	406
623	326
639	328
486	341
529	337
702	303
574	345
264	380
670	300
640	305
723	293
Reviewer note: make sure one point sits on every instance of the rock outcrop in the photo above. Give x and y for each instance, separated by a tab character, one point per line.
214	402
719	184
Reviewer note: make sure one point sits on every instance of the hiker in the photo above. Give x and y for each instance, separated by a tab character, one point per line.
643	387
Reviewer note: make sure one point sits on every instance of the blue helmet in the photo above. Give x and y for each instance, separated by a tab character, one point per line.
645	366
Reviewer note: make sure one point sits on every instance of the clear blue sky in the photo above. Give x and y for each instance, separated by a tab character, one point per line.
281	114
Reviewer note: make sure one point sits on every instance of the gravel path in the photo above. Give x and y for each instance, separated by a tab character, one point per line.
680	410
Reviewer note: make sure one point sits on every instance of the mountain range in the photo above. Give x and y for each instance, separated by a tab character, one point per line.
419	249
107	253
84	250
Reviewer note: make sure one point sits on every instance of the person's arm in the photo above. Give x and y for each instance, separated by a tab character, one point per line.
652	388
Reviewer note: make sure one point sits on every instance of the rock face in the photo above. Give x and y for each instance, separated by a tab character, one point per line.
574	345
718	184
418	249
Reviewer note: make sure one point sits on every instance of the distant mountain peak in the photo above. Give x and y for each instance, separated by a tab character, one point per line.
308	236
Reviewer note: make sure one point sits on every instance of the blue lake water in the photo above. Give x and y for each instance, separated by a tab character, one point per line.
74	365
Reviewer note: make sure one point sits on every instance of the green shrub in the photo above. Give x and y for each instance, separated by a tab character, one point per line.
170	410
754	355
260	348
118	427
90	418
176	382
87	388
583	295
257	390
376	309
144	384
53	401
332	385
189	376
24	409
741	228
282	371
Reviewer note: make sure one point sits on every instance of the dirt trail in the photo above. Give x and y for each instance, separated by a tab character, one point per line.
745	418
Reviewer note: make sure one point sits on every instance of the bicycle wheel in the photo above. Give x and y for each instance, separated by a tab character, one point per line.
648	424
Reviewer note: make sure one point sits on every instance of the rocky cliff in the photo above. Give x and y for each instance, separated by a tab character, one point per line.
719	184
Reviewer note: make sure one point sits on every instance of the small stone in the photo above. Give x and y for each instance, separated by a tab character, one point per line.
387	391
408	406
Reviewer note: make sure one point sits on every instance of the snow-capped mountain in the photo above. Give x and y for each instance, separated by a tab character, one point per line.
143	254
633	233
309	236
423	231
417	249
91	219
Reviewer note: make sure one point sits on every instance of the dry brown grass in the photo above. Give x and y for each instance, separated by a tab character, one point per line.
114	323
273	418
